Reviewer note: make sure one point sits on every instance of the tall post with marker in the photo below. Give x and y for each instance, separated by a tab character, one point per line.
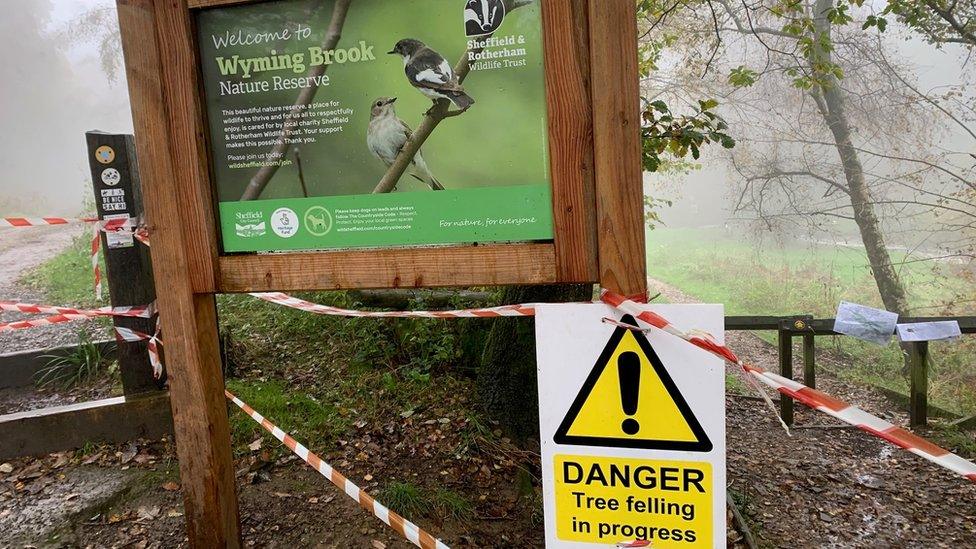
118	196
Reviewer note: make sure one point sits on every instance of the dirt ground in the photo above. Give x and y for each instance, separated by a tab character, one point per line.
824	486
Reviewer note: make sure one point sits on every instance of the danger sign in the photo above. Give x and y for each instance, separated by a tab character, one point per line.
633	429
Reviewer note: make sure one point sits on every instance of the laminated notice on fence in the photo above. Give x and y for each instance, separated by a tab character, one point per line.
632	428
929	331
865	323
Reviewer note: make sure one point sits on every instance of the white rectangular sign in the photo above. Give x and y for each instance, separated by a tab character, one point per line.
632	429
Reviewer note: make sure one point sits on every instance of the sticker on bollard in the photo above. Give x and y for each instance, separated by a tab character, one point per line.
632	428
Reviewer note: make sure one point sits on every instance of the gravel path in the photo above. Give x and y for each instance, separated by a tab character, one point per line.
832	486
21	250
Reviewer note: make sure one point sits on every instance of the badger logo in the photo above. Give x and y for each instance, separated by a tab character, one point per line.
483	17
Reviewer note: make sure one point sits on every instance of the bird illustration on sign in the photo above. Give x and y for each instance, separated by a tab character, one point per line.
387	135
430	73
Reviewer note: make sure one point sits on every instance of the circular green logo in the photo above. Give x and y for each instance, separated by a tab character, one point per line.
318	221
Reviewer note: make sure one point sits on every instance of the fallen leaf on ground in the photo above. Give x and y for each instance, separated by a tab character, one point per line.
377	544
148	513
256	445
129	454
171	486
6	468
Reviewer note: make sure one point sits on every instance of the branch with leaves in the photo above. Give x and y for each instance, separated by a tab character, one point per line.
663	132
260	180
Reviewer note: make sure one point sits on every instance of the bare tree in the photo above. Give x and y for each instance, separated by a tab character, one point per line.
830	131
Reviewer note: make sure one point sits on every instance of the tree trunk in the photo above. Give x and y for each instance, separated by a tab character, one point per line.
833	109
506	385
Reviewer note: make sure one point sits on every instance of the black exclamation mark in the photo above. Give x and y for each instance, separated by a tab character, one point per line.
628	370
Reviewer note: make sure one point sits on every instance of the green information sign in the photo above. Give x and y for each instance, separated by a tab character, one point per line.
310	103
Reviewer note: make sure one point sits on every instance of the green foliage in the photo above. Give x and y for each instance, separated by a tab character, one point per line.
651	208
450	505
77	366
743	77
734	385
939	21
316	423
409	500
680	136
405	498
67	279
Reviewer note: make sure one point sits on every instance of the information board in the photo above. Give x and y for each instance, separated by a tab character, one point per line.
309	103
632	429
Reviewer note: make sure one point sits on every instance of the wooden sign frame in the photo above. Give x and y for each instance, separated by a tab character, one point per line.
597	193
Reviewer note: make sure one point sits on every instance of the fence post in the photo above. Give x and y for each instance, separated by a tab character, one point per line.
918	392
785	339
810	359
118	195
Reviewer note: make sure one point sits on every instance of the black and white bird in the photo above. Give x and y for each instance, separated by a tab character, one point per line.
430	73
387	135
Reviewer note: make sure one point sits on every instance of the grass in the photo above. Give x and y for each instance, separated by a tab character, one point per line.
410	500
67	278
405	498
774	279
77	366
315	423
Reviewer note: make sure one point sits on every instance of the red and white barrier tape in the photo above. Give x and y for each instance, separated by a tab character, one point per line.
399	524
805	395
98	226
60	315
302	305
810	397
132	336
144	311
41	221
111	225
21	222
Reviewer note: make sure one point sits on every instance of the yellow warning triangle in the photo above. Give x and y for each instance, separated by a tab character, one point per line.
630	401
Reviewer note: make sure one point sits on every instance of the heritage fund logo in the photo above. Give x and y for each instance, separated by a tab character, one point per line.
284	222
483	17
250	225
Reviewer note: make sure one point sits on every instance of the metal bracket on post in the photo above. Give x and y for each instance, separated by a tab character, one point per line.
118	195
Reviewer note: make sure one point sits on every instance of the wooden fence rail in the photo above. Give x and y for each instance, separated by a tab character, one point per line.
809	328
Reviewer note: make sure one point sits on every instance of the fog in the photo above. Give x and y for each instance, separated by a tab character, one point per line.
53	91
704	196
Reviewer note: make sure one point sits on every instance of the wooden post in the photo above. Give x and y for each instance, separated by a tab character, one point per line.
617	146
118	195
189	320
809	360
162	68
918	392
785	339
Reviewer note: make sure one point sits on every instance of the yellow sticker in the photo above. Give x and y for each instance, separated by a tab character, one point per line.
630	401
605	499
105	154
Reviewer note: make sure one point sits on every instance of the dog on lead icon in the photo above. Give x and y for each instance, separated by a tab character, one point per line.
483	17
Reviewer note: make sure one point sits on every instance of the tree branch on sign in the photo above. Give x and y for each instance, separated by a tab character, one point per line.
260	180
439	112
